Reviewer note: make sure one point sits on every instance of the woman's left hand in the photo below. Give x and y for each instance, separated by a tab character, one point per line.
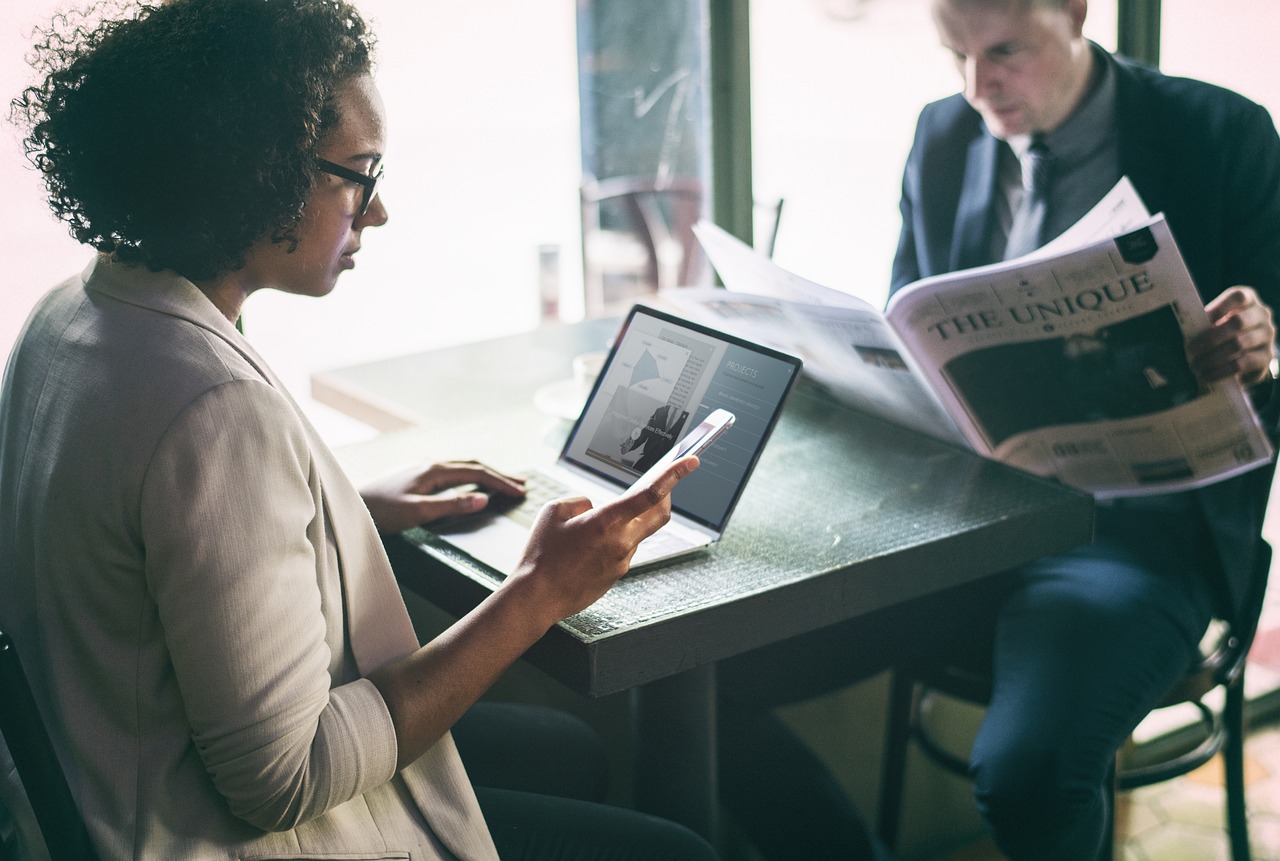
415	496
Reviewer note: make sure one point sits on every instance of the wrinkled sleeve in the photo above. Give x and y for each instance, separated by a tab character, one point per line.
232	526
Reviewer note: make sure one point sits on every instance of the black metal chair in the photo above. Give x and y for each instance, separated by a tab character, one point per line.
28	742
969	680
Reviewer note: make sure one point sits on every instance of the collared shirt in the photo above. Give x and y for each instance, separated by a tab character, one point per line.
1086	162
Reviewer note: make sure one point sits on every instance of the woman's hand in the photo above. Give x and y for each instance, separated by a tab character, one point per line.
1241	341
415	496
576	552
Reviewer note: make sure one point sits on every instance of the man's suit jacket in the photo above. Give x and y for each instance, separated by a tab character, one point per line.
1206	157
198	594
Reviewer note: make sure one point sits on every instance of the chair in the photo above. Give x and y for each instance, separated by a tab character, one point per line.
1222	666
28	742
637	237
767	219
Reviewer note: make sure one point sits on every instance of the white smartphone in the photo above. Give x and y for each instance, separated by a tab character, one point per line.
694	442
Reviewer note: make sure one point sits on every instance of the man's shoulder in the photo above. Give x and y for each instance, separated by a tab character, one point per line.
950	115
946	128
1183	99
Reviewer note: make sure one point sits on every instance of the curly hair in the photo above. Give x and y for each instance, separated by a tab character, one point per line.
178	135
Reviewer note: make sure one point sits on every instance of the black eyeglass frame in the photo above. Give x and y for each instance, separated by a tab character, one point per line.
368	184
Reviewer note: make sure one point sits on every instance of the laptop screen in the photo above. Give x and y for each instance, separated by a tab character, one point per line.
662	377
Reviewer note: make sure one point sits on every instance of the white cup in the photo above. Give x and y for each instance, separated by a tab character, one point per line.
586	367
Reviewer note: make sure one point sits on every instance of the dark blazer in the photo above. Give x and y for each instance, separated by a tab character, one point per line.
1206	157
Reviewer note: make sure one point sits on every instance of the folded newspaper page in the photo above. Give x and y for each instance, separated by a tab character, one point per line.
1068	363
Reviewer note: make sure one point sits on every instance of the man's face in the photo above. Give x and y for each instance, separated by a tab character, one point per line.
1025	65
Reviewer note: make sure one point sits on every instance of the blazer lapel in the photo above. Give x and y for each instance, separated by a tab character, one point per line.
971	240
378	624
1141	140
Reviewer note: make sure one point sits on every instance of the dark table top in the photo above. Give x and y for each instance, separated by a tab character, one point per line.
844	515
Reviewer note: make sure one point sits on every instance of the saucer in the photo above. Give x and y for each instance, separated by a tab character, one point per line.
562	399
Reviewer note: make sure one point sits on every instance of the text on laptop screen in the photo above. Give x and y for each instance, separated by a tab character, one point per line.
664	376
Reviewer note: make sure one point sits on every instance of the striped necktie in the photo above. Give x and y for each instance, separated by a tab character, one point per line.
1027	231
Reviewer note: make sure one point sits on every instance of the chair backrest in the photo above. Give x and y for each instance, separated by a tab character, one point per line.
28	742
1226	648
767	219
656	215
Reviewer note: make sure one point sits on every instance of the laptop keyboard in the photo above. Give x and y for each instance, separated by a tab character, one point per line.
539	490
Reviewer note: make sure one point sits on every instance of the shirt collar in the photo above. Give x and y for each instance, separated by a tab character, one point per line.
1088	127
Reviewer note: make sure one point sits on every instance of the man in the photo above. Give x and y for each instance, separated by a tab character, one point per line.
1085	643
1088	642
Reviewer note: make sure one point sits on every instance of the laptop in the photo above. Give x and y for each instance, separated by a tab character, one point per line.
661	379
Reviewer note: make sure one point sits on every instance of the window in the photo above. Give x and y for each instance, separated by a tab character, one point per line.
836	87
1228	43
482	188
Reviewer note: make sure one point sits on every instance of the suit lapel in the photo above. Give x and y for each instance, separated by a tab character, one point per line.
1141	140
971	240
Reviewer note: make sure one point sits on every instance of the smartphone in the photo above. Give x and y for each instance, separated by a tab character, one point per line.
694	442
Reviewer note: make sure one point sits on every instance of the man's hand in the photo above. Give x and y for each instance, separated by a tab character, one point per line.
576	552
415	496
1241	341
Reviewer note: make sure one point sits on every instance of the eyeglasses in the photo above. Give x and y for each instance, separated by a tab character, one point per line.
368	184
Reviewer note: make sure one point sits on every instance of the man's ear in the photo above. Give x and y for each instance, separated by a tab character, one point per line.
1078	10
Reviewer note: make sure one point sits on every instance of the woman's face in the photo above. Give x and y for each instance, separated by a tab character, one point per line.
329	232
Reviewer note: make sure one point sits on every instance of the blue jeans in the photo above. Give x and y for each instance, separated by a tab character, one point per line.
1086	645
1083	645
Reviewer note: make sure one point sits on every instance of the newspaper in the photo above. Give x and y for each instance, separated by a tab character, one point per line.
1068	363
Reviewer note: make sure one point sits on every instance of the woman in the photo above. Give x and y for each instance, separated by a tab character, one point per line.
201	598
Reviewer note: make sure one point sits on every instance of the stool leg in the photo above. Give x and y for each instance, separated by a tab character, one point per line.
893	772
1233	760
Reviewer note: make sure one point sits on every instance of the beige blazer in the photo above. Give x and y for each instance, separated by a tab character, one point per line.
198	591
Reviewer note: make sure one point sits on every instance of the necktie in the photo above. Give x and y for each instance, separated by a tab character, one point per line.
1027	231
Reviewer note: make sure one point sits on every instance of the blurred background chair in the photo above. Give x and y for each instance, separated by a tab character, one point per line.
916	690
637	238
766	221
37	765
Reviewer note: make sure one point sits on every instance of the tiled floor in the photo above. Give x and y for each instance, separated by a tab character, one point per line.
1183	819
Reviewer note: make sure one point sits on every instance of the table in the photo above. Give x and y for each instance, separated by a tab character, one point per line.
844	515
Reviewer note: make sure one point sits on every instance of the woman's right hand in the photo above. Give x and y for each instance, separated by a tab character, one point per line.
577	552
